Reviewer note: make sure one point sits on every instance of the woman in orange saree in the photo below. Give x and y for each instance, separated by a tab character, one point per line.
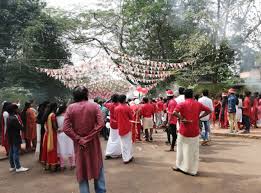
49	154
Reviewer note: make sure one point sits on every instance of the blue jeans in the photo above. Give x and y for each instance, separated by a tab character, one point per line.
204	125
14	156
99	184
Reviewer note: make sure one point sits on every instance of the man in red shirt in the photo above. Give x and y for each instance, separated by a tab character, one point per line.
147	112
123	115
188	138
246	112
172	120
113	149
83	123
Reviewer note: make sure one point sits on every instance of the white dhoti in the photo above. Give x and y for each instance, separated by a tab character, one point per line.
188	154
147	123
126	147
158	119
239	114
114	144
258	123
38	140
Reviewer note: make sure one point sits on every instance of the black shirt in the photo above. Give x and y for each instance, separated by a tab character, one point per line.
13	130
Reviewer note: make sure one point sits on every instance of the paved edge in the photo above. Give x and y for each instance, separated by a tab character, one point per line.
249	136
3	158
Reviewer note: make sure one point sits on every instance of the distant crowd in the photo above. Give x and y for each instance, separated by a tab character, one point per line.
60	133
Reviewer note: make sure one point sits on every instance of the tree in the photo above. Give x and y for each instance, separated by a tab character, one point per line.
32	38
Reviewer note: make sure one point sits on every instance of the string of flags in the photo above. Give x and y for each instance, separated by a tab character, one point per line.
146	72
103	77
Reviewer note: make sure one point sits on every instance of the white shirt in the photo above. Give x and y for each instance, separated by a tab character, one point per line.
208	103
180	99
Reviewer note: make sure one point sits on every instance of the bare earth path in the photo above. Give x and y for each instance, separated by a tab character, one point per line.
228	165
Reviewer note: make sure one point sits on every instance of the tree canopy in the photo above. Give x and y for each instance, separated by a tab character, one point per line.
30	37
216	36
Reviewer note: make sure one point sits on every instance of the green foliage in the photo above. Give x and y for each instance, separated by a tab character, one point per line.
42	40
163	30
31	38
15	94
209	63
173	31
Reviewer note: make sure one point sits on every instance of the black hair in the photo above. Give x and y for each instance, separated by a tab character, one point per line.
96	100
6	104
181	90
51	108
115	98
41	111
61	109
247	93
165	100
11	108
122	98
145	100
197	96
27	105
188	93
80	93
205	92
224	101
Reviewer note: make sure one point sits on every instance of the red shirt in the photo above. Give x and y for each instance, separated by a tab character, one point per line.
147	110
136	110
123	114
111	107
171	107
165	105
160	105
190	110
247	107
84	121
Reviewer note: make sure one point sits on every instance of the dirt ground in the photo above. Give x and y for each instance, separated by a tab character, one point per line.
228	165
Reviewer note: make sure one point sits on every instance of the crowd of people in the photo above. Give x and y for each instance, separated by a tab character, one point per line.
71	132
42	132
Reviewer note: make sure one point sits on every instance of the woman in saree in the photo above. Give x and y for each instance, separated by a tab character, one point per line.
223	118
49	154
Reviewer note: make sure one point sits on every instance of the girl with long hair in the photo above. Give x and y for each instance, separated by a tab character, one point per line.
49	155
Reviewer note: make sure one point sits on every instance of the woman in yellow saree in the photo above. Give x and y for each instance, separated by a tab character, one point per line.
49	155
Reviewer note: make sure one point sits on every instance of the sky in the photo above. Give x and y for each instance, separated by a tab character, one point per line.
79	54
70	5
